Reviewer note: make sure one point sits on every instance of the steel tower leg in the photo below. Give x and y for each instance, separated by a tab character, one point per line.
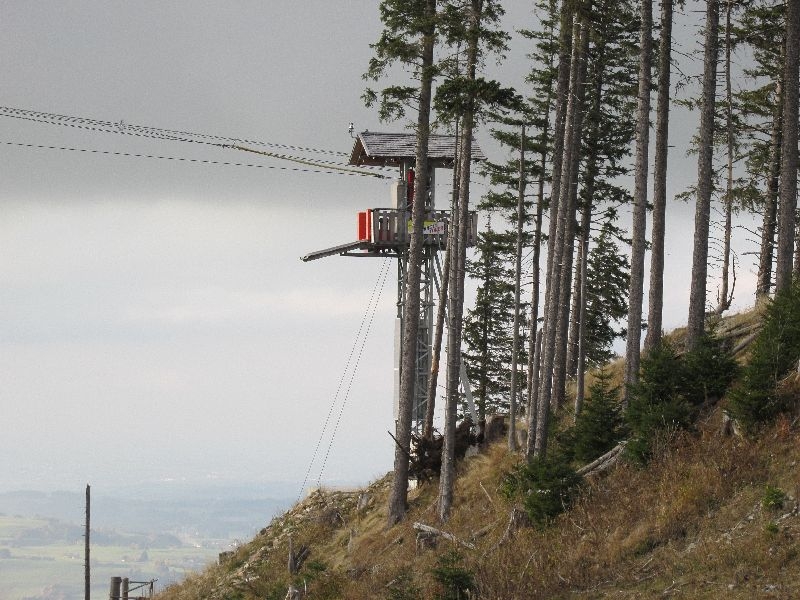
424	335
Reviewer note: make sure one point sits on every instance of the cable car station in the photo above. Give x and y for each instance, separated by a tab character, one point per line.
386	232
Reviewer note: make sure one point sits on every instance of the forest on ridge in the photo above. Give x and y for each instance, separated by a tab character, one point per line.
578	141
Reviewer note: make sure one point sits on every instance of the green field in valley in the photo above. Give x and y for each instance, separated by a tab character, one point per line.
55	570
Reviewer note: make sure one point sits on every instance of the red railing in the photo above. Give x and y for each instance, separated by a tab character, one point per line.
389	227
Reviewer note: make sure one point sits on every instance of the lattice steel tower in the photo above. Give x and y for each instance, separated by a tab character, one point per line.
386	232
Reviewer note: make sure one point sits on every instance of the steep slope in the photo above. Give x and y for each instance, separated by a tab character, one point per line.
713	515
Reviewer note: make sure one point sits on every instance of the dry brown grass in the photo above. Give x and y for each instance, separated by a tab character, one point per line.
691	525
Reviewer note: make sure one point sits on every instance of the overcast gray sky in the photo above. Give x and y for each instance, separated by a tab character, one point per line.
155	319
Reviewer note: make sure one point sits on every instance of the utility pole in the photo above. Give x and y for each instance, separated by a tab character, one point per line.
87	574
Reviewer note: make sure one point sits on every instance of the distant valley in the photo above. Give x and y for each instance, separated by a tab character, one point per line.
160	531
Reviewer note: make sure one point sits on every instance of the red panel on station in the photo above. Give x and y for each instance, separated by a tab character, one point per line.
410	188
363	226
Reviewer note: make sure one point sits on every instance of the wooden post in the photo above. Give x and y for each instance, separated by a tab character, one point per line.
86	569
126	584
116	583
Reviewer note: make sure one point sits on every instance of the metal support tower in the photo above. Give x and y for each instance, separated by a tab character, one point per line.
424	354
385	232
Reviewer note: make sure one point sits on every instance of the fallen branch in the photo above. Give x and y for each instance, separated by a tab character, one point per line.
484	530
603	462
738	330
517	519
438	532
744	343
403	450
480	483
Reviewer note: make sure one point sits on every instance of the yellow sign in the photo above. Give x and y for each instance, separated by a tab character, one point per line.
430	227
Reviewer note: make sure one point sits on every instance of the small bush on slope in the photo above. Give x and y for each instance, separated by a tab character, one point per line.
775	352
672	389
456	581
656	401
708	371
599	426
546	486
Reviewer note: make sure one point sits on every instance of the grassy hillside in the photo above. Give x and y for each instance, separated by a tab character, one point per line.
712	516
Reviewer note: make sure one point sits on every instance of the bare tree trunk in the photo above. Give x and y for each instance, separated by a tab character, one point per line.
724	301
398	494
697	296
788	186
581	364
656	291
512	405
769	221
559	357
554	274
441	310
535	339
533	408
565	43
575	309
447	477
562	88
534	343
591	169
636	289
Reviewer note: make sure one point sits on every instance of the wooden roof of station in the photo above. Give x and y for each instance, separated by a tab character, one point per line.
377	149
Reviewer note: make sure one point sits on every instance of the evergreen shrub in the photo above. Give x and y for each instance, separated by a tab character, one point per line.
656	401
774	497
672	389
456	581
756	400
708	371
547	486
599	426
403	587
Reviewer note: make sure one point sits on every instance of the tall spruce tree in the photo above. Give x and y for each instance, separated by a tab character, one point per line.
609	126
761	29
607	302
697	296
656	290
561	244
408	38
789	153
636	290
487	326
475	23
542	79
544	365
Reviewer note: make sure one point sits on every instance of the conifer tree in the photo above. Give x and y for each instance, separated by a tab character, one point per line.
758	113
789	152
408	37
656	289
636	291
473	22
542	79
564	228
697	297
599	427
607	278
609	127
487	327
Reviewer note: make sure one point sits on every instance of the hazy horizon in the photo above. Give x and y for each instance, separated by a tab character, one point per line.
156	322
